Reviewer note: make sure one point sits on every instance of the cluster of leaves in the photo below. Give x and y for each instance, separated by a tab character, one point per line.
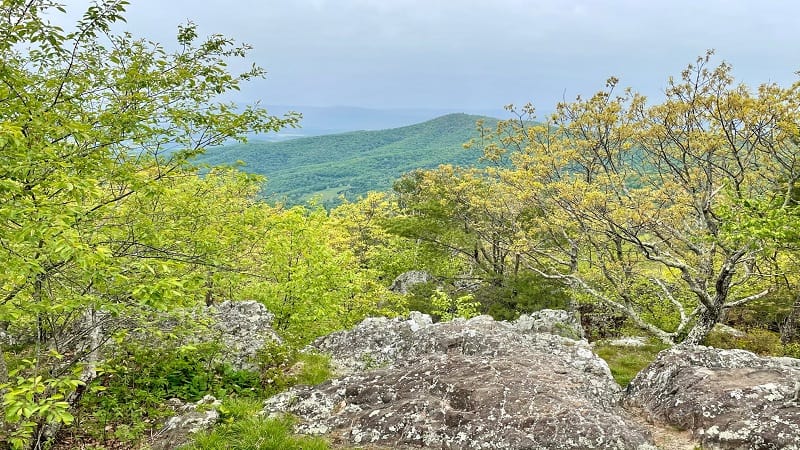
281	366
446	308
103	221
129	398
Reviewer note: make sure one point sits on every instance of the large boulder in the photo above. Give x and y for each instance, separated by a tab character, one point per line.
462	384
553	321
406	280
244	327
190	418
728	399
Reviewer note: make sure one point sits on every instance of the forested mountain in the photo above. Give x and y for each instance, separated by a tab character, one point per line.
323	120
352	163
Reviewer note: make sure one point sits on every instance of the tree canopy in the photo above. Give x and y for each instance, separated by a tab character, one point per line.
670	213
100	214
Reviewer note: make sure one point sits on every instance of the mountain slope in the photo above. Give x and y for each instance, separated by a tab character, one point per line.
352	163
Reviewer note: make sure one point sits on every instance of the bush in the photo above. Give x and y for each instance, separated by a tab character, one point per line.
757	340
282	366
792	350
128	398
522	294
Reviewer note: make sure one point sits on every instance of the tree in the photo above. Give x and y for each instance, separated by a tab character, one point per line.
307	274
472	217
649	209
95	126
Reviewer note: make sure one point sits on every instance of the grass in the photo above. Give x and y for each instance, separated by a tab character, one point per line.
316	368
256	433
243	429
626	362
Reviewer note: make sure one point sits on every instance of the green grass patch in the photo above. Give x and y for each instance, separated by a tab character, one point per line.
626	362
256	433
315	368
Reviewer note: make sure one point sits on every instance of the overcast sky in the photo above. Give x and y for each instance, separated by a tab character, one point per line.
466	55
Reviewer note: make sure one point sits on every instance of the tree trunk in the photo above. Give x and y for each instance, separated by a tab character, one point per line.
3	367
46	432
703	326
790	324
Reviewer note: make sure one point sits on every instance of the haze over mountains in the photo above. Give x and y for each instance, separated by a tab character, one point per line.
356	162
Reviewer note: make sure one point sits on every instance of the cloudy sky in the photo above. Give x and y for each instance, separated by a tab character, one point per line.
467	55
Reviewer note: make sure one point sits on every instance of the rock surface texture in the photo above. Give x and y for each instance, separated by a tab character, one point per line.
476	384
191	418
406	280
728	399
243	327
553	321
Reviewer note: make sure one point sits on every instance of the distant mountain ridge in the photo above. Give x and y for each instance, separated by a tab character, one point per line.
322	120
352	163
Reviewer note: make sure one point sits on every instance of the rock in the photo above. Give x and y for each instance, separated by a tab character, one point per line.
629	341
472	383
553	321
243	327
406	280
725	329
728	399
375	342
191	418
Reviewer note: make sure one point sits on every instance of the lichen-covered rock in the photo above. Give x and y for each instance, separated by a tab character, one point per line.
728	399
375	342
725	329
462	384
628	341
553	321
243	327
191	418
406	280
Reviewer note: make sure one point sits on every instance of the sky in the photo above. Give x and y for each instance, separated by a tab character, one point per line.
466	55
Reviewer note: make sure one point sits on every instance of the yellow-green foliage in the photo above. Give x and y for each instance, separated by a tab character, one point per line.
756	340
448	307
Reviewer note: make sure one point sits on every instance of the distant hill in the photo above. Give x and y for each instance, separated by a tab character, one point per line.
322	120
352	163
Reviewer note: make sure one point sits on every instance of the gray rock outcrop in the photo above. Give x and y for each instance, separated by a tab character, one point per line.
462	384
243	327
191	418
406	280
553	321
728	399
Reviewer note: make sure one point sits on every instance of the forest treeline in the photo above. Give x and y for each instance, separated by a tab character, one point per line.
662	219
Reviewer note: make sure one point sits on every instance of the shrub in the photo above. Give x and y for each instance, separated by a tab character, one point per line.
757	340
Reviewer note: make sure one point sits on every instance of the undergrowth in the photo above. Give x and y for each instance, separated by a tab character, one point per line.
243	429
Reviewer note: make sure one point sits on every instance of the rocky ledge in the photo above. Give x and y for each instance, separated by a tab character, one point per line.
463	384
728	399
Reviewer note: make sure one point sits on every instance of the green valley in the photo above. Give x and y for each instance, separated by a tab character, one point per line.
352	163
